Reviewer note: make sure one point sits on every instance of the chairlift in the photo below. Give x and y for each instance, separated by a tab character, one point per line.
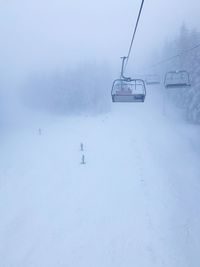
152	79
127	89
132	90
177	79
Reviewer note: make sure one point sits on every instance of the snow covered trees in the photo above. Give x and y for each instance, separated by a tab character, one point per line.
84	89
189	99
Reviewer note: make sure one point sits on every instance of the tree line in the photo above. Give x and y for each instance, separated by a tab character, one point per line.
189	98
84	89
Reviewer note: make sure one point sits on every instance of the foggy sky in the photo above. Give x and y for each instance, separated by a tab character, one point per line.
40	34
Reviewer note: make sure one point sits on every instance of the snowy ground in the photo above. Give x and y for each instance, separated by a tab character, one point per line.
134	203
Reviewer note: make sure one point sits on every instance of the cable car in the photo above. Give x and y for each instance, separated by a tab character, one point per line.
177	79
152	79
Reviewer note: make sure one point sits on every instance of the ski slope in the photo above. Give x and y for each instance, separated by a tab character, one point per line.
134	203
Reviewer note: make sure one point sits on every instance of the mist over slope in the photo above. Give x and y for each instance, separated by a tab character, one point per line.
134	202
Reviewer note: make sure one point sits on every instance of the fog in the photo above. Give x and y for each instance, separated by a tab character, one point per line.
85	181
58	34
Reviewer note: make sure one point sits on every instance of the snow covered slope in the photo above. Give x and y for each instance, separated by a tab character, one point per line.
134	203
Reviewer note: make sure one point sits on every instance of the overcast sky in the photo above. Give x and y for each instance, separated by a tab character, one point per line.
39	34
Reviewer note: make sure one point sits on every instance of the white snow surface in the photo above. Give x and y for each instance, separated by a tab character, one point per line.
135	202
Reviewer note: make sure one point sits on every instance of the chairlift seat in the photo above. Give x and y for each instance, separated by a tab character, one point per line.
177	85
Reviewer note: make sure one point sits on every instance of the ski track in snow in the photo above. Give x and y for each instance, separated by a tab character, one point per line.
134	202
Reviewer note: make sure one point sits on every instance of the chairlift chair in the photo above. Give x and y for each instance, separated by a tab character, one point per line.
152	79
132	90
127	89
177	79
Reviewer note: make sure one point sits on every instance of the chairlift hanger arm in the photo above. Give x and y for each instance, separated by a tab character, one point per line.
122	69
